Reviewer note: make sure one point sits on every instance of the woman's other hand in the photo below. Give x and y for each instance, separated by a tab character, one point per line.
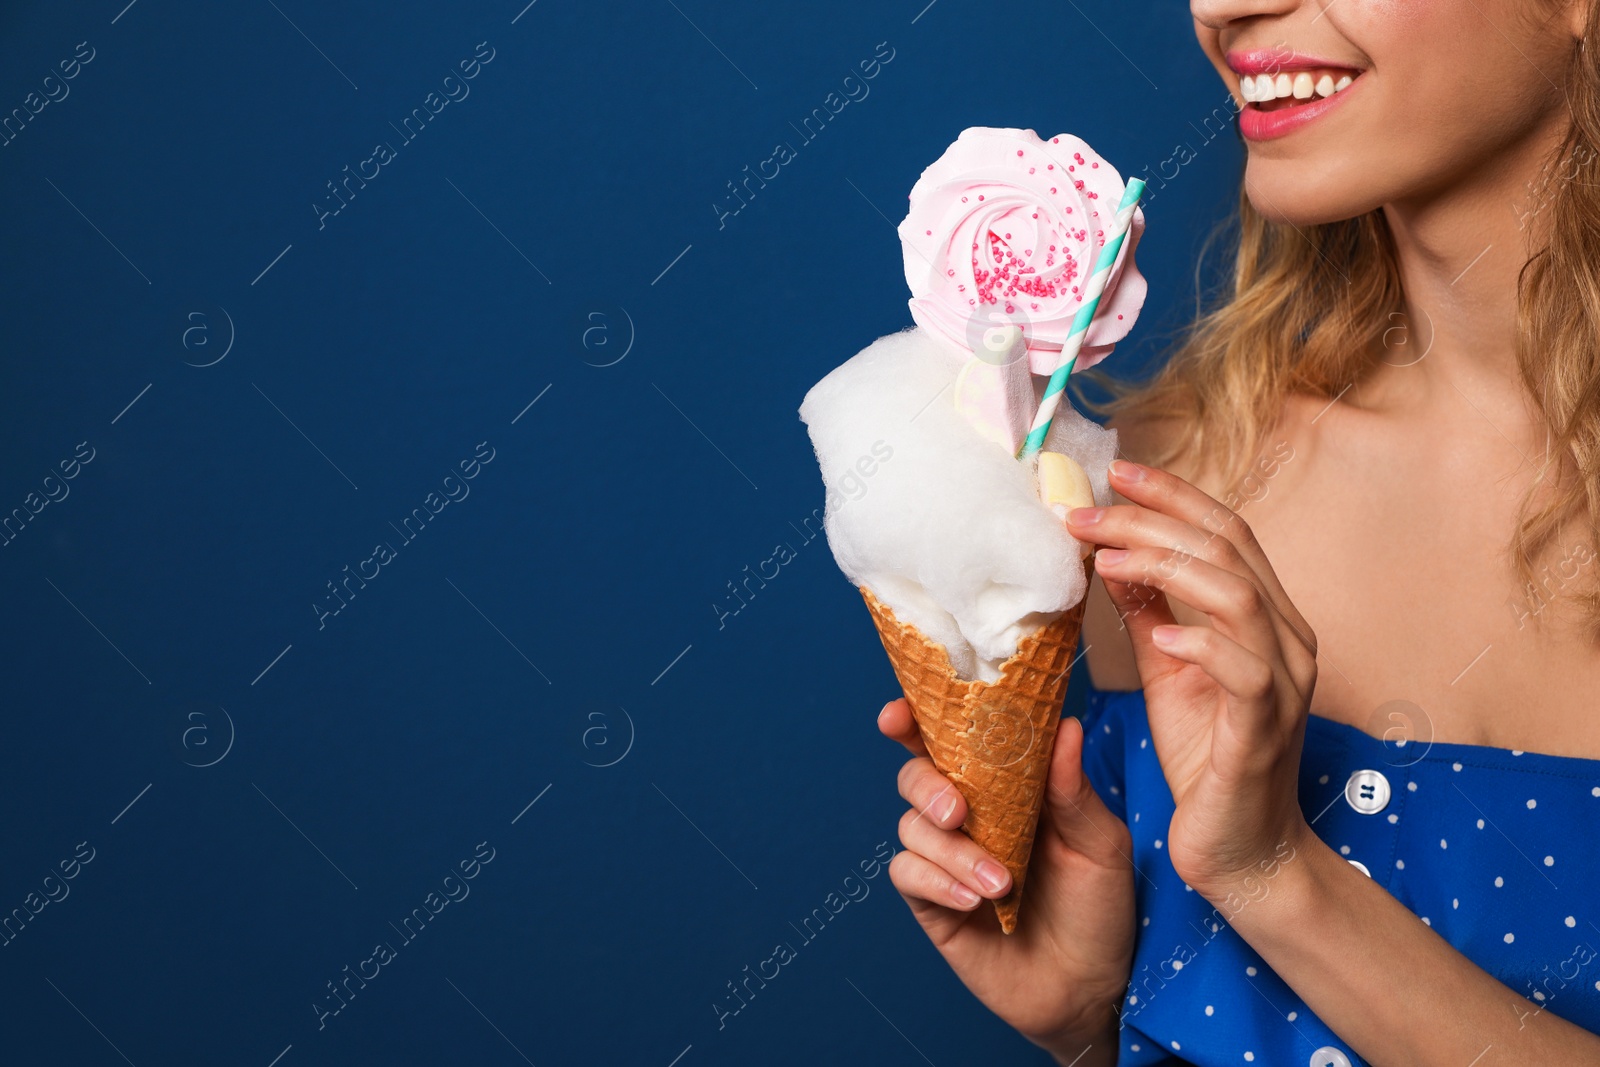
1060	978
1227	698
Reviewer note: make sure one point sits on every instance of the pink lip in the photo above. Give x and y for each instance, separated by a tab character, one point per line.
1258	125
1274	61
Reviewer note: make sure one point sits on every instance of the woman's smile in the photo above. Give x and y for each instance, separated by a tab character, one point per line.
1283	92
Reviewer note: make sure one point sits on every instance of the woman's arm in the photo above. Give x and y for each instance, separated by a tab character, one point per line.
1227	704
1101	1051
1387	984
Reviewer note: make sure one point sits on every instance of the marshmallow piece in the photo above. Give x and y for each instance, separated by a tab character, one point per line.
994	390
1064	485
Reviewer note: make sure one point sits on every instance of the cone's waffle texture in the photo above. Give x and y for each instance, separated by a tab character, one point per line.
992	739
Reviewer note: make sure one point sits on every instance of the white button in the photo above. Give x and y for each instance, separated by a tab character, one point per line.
1328	1056
1367	792
1362	867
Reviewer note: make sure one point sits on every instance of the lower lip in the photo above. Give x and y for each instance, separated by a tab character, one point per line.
1258	125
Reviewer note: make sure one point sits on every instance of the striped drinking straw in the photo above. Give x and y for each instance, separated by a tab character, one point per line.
1080	325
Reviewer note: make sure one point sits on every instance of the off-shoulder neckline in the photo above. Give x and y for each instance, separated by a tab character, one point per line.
1434	752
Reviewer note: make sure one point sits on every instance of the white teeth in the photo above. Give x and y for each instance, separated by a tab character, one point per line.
1302	85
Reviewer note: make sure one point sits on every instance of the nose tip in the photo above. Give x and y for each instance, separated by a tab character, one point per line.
1218	14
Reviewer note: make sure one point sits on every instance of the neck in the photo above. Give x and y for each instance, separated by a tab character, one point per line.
1460	252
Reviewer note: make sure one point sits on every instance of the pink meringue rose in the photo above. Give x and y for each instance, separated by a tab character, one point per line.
1006	227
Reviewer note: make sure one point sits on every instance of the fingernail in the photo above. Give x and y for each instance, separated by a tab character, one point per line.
1085	516
991	874
947	808
1127	472
1165	636
1111	556
964	896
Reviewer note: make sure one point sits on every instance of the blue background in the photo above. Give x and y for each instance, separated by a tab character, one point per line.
551	237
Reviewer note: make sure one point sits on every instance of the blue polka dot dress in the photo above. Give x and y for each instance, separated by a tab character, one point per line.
1497	850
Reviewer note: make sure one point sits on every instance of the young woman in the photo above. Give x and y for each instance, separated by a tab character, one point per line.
1337	793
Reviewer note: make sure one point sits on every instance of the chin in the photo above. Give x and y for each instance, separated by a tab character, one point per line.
1307	192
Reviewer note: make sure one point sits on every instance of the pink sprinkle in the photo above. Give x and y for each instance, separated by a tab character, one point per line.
1055	140
1096	166
1035	214
1019	151
980	196
1052	189
963	200
930	233
1049	166
1119	318
1031	169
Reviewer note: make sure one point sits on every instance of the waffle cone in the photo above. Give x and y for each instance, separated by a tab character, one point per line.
992	739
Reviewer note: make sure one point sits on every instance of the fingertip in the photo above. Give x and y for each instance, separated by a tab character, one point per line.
1128	472
1066	765
1069	736
1107	559
994	876
948	808
1167	637
895	722
886	717
1071	730
898	723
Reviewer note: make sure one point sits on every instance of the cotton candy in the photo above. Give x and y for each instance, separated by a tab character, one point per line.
949	531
